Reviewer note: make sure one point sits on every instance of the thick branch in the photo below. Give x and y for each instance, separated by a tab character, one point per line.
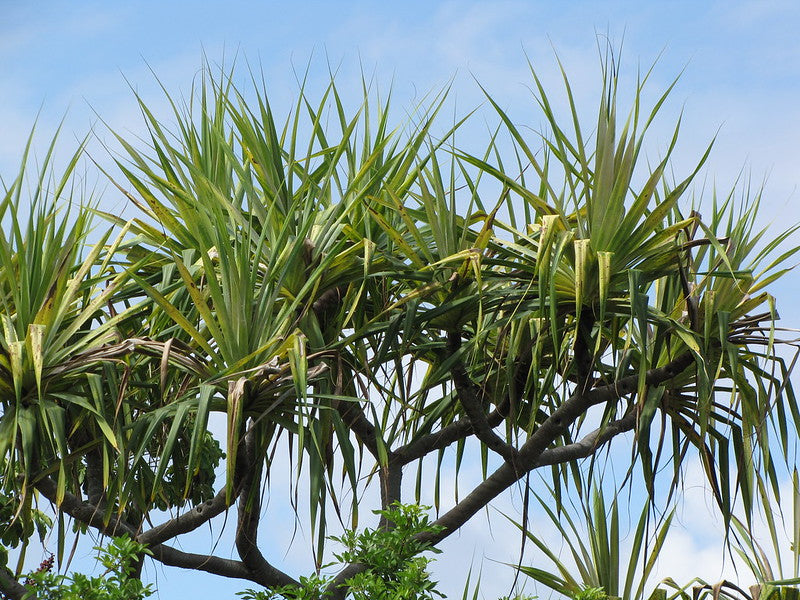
224	567
249	515
589	444
391	486
352	413
83	441
353	416
95	491
12	588
189	521
85	512
337	589
473	407
91	515
627	385
449	434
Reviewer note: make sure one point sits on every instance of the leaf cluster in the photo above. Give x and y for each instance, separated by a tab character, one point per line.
118	582
393	567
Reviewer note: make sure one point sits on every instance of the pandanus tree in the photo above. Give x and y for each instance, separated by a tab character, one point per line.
363	295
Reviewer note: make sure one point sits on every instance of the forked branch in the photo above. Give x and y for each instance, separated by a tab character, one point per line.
467	396
548	432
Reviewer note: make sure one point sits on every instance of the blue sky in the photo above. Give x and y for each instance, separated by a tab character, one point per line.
78	60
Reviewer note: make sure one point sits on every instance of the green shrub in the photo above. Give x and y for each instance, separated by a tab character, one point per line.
117	582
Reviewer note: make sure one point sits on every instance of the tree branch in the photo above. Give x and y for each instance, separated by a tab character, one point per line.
188	521
85	512
337	589
465	388
82	441
449	434
249	515
353	416
12	588
533	454
352	413
391	487
626	385
589	444
203	562
95	491
422	446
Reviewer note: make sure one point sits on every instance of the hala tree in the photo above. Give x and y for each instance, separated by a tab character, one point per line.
363	295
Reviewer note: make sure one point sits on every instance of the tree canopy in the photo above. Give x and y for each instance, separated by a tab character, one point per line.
361	294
